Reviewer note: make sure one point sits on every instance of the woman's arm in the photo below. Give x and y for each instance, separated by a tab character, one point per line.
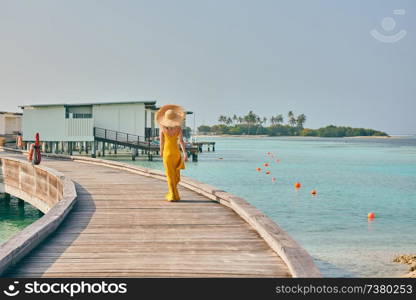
182	143
162	141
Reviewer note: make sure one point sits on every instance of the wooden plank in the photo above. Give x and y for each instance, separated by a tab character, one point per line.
251	246
150	274
260	269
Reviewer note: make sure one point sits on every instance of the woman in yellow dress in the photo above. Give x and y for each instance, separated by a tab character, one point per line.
170	118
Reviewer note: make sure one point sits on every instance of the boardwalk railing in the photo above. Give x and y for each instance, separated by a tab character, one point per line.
120	137
130	140
47	190
136	142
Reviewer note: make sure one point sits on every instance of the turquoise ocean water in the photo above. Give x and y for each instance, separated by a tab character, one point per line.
352	177
13	218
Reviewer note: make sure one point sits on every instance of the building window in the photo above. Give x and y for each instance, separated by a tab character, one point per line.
78	116
78	112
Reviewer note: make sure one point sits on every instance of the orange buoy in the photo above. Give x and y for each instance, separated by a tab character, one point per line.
274	179
258	170
371	215
267	172
266	164
314	192
277	160
297	185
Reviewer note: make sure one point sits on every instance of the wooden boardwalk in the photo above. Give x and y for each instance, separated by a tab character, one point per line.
122	227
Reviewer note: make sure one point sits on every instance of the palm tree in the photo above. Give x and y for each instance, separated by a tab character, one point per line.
279	119
273	120
228	121
291	118
235	118
258	124
222	119
250	119
300	120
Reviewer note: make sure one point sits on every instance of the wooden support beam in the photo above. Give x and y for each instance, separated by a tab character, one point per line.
134	153
94	149
70	147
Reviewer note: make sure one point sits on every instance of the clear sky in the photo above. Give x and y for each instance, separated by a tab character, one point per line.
315	57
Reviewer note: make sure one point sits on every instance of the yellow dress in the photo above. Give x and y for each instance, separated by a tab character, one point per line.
173	163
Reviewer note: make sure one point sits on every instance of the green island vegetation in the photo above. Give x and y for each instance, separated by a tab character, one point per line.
252	124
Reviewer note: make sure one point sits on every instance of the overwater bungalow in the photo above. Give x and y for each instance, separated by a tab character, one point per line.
10	123
91	126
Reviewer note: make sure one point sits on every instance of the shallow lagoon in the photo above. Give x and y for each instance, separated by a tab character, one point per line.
15	217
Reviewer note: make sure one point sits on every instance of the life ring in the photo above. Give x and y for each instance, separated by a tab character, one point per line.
37	157
34	154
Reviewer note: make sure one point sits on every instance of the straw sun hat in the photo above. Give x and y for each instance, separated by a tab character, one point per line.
170	115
